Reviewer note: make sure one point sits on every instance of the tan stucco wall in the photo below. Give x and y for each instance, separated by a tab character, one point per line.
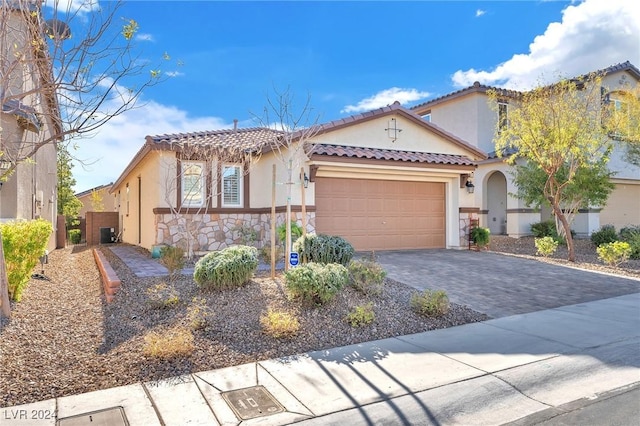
146	175
261	178
373	134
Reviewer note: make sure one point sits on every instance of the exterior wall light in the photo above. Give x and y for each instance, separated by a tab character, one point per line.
470	187
305	181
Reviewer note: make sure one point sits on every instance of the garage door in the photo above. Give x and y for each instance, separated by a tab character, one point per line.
382	215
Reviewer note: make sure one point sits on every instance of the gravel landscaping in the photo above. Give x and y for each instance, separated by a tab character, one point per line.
64	339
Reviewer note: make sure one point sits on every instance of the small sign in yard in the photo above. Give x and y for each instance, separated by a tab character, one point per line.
293	259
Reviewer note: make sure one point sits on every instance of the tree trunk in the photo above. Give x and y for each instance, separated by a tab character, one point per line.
567	229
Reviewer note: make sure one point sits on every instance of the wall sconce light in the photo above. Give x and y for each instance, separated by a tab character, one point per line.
305	180
470	187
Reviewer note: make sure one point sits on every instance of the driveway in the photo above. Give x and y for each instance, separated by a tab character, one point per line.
500	285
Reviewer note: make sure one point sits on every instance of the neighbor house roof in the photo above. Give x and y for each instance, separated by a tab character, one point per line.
89	191
481	88
391	154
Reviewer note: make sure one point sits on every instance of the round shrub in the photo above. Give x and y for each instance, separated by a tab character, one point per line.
546	228
431	303
316	283
631	235
324	249
228	268
367	276
605	235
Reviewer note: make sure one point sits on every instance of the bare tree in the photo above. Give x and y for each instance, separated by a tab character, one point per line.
293	145
69	66
194	176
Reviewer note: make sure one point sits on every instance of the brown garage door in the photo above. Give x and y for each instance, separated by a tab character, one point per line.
382	215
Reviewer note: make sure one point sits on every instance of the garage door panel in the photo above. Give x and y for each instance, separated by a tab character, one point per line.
382	215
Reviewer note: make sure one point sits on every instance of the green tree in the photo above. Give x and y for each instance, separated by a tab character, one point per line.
68	203
97	201
561	137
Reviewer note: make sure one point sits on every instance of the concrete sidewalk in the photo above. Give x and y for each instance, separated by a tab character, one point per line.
486	373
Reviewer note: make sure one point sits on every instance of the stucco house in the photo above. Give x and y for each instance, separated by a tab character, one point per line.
99	195
27	117
385	179
496	208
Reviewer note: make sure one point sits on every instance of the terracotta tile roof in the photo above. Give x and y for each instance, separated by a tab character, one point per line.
390	154
249	138
477	87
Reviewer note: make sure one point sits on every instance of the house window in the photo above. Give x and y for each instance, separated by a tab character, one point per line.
503	117
192	184
231	186
615	114
427	117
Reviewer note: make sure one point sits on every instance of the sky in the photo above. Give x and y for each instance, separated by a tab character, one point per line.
227	58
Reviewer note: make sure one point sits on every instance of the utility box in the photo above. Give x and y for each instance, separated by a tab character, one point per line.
106	235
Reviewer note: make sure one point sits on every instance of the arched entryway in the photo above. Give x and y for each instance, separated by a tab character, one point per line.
497	203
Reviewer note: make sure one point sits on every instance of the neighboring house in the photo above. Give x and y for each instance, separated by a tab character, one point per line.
385	179
468	114
98	199
26	118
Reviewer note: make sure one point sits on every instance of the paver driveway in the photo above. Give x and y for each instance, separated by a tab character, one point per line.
500	285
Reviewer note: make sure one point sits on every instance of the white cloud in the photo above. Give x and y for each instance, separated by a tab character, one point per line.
144	37
593	35
386	97
116	143
480	12
73	6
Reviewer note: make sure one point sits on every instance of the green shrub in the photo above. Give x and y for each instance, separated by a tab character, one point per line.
75	236
316	283
631	235
279	324
480	236
367	276
606	234
361	315
546	246
431	303
614	253
281	232
324	249
172	258
24	242
231	267
546	228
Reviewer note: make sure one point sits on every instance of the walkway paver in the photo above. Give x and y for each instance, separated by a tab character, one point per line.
500	285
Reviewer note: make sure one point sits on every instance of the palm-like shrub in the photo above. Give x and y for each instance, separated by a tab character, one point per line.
228	268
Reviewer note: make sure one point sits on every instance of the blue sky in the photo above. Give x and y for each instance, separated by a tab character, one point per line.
349	57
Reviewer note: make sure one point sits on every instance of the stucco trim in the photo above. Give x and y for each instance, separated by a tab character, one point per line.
469	210
376	162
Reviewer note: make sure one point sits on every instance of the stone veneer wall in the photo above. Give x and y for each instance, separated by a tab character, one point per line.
465	223
210	232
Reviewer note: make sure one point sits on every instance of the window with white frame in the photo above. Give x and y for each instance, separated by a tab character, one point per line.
231	186
427	117
193	183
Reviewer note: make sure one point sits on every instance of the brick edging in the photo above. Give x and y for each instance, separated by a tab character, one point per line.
110	280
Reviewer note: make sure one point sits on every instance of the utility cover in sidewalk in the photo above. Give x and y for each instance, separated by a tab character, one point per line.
252	402
107	417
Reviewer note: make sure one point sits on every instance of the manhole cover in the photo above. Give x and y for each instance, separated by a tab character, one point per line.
252	402
107	417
